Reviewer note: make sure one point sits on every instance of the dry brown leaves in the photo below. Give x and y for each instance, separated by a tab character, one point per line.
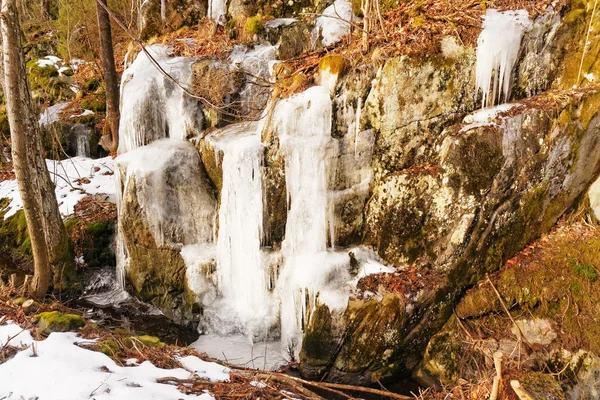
406	282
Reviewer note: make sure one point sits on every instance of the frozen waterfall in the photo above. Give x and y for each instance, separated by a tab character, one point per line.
152	106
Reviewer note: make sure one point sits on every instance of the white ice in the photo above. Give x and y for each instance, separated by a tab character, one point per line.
217	10
152	106
61	370
486	116
497	52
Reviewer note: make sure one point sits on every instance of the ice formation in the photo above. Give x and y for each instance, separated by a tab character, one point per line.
242	276
497	51
334	23
256	65
217	9
152	106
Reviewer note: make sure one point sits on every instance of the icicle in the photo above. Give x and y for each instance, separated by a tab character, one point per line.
497	51
217	10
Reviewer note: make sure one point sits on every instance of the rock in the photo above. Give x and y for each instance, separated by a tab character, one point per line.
594	196
291	36
178	13
55	321
536	331
156	196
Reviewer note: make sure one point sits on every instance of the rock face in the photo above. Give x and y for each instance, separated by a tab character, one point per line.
176	14
552	285
460	199
443	194
163	184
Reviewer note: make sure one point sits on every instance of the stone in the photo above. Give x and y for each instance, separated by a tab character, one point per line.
55	321
536	331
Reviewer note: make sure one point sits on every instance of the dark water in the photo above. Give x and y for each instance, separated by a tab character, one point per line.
111	308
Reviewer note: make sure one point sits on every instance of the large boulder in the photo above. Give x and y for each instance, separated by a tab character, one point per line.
166	203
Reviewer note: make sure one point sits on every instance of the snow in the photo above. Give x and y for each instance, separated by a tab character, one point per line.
85	113
334	23
204	369
486	116
497	52
49	61
74	179
60	369
152	106
278	22
51	114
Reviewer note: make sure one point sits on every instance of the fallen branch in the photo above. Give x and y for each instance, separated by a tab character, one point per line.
520	391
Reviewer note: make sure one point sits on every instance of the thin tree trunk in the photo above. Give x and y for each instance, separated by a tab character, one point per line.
46	10
110	74
49	242
23	140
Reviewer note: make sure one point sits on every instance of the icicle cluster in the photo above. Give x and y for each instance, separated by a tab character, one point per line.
497	51
152	106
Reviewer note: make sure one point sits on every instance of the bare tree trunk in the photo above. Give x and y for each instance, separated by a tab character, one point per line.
46	10
110	75
49	241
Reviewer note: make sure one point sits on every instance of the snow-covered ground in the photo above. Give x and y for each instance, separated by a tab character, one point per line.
57	368
74	179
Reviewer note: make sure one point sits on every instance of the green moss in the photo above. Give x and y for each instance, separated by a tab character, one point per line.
254	25
19	301
146	340
92	85
109	347
14	237
95	104
55	321
584	270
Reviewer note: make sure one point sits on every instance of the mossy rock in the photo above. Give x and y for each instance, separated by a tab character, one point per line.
55	321
254	25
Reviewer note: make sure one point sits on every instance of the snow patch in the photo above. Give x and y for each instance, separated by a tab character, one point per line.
74	179
63	371
334	23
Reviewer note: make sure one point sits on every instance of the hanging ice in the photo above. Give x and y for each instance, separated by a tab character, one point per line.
242	276
217	10
497	51
304	122
152	106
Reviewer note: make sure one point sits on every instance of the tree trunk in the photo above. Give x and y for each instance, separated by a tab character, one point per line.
110	75
46	10
49	241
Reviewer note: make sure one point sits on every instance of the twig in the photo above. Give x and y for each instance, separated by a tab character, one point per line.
520	391
496	385
585	44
